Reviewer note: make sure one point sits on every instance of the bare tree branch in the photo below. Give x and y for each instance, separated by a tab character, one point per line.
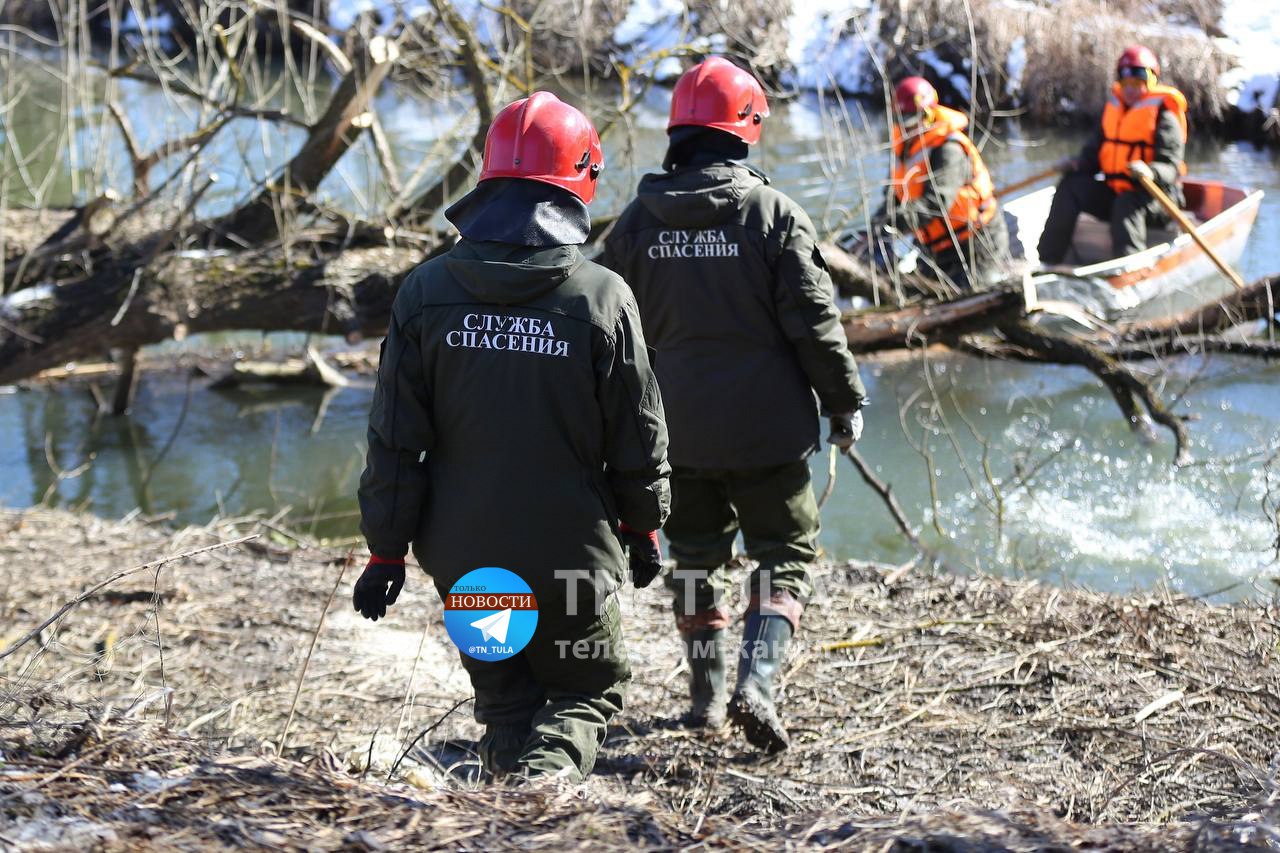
132	72
424	206
259	220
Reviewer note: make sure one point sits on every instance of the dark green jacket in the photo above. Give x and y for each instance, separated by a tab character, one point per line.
950	170
737	302
515	420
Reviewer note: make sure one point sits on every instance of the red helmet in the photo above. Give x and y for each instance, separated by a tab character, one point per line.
915	95
716	93
1137	56
541	138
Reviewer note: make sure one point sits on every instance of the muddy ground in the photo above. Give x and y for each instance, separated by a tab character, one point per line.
926	712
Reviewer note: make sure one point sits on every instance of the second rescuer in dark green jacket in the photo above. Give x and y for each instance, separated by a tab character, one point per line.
736	300
941	192
516	421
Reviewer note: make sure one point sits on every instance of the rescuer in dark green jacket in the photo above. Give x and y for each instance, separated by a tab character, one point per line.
737	302
1143	131
941	192
515	423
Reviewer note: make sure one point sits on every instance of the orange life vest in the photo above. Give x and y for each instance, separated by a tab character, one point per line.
975	203
1129	134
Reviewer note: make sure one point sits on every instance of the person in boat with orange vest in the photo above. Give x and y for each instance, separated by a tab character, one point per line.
1143	132
941	191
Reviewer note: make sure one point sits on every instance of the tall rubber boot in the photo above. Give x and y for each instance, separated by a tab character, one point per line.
500	747
764	647
708	697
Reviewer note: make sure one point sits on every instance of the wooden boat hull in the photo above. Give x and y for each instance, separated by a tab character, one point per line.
1172	274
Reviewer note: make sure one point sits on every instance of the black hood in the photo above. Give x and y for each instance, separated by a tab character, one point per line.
521	212
503	274
695	197
702	146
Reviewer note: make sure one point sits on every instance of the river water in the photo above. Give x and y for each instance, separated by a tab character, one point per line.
1006	467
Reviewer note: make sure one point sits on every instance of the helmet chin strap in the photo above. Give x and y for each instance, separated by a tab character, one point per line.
1131	94
913	123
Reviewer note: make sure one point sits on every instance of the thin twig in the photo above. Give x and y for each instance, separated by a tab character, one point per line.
895	509
306	664
94	590
831	478
428	730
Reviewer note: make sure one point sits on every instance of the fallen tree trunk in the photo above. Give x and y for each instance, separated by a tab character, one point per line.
1259	300
854	276
143	296
312	370
930	322
194	292
351	291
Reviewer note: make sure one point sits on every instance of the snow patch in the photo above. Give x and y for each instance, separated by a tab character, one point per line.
1256	93
1015	67
828	45
150	781
643	17
957	77
1253	37
343	13
25	296
651	26
161	24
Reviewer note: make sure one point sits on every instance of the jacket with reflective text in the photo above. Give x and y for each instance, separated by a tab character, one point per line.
736	299
515	420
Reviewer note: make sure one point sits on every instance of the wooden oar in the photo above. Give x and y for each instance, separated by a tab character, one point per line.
1186	224
1026	182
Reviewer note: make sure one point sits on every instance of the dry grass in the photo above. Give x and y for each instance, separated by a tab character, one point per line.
922	712
1071	47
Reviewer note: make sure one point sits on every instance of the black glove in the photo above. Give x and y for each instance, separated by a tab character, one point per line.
372	596
845	429
643	553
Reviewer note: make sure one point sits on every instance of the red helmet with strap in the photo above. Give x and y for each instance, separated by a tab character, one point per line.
541	138
915	95
716	93
1138	56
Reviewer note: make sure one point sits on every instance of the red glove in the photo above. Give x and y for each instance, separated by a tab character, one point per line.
643	553
379	586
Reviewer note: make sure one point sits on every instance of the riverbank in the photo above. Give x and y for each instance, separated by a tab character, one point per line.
920	708
1050	61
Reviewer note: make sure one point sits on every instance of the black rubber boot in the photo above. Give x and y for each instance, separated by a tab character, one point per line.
704	650
764	647
500	747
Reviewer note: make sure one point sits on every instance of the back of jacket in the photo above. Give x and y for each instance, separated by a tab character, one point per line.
737	302
516	419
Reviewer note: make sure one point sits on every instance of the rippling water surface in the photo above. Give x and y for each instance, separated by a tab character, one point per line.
1006	467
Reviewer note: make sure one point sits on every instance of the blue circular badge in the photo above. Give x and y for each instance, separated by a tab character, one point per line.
490	614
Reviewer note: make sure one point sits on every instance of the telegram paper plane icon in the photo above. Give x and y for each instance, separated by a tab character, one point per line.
494	626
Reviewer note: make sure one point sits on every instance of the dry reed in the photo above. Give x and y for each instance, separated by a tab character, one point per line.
930	713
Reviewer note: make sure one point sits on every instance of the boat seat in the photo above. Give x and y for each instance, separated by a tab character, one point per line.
1091	242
